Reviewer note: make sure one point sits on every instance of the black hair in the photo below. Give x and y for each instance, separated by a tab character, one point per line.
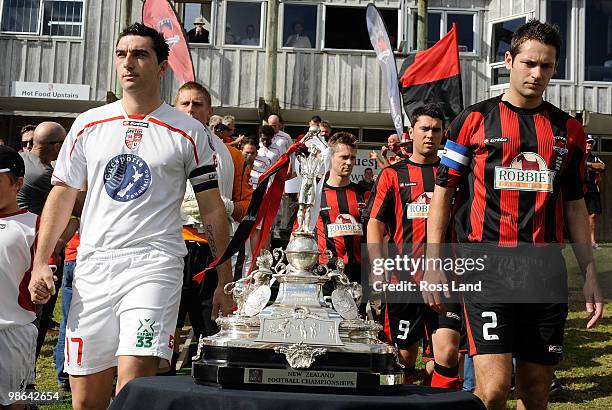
544	33
431	110
267	130
162	50
316	119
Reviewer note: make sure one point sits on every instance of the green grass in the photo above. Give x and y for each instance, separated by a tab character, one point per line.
585	372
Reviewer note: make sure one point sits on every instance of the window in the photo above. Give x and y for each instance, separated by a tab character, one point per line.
376	135
243	23
345	27
598	40
299	26
196	18
59	17
440	22
501	34
559	12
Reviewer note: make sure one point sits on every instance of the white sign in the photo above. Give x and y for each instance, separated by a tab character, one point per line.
50	90
292	377
363	161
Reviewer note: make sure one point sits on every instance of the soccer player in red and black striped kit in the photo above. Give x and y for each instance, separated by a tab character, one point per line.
520	162
400	205
339	226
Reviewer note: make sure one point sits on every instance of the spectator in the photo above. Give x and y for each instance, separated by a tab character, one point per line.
214	121
48	138
249	151
282	140
250	39
368	179
17	332
314	121
594	167
198	34
2	142
27	137
326	129
230	38
298	39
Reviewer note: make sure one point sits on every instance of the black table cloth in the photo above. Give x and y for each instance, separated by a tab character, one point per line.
180	392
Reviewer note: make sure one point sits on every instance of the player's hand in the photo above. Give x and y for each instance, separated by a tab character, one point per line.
593	299
434	284
223	305
372	155
41	285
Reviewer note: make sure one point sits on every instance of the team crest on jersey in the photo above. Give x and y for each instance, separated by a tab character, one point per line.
126	177
144	333
344	225
419	208
527	172
133	136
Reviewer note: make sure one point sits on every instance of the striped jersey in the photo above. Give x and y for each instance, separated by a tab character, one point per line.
401	198
515	168
17	242
135	169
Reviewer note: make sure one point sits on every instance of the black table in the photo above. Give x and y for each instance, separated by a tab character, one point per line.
180	392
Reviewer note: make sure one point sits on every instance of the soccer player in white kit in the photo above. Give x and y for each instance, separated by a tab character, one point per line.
17	238
134	156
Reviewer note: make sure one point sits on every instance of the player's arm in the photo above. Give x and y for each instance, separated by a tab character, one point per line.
576	216
54	219
437	224
216	228
598	166
241	191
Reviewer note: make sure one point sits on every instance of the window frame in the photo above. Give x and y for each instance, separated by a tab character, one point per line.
491	65
476	16
573	44
353	50
39	25
179	6
318	33
582	42
262	25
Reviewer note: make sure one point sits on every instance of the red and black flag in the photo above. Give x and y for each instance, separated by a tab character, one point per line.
434	76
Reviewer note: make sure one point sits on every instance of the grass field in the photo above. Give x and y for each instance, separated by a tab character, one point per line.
585	372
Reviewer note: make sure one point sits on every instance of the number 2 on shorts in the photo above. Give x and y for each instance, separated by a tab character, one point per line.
487	326
404	326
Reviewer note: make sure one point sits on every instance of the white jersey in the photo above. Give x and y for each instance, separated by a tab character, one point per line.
265	158
280	143
17	241
135	169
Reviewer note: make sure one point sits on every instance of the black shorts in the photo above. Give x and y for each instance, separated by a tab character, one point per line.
531	332
451	319
405	323
593	203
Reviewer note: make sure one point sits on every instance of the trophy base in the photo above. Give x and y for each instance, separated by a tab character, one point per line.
264	369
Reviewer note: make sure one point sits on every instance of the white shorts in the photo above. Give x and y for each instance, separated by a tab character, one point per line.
17	360
124	303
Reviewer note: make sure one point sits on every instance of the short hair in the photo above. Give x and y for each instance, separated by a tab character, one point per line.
325	124
229	119
431	110
316	119
214	120
342	137
162	50
27	128
192	85
544	33
368	169
267	130
250	141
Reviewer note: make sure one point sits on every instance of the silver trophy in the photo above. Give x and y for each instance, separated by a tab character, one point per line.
300	339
